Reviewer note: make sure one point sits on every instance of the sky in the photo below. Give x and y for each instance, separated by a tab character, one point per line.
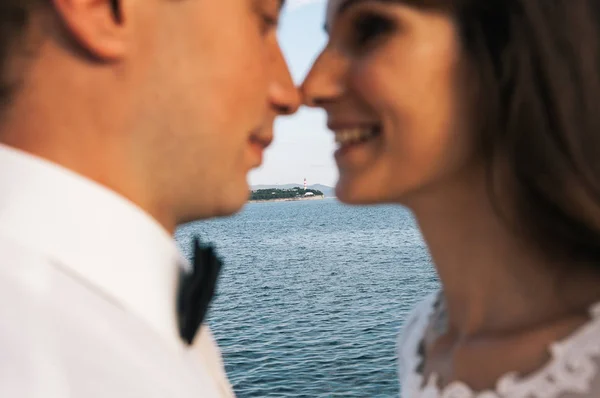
303	147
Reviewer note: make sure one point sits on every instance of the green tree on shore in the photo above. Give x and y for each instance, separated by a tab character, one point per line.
271	194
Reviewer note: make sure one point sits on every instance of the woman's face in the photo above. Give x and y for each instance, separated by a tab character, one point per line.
388	80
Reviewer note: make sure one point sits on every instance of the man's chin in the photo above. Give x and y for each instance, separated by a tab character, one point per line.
222	209
227	201
230	209
232	201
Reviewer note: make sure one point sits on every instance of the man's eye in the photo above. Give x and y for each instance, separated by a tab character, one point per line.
269	22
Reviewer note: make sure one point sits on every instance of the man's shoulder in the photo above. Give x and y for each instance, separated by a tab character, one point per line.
23	273
21	266
25	278
58	335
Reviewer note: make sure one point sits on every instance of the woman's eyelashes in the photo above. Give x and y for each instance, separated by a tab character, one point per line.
368	27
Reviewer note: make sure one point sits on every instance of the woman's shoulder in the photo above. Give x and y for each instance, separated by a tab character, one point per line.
412	333
572	372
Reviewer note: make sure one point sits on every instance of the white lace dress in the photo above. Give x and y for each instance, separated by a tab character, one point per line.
571	373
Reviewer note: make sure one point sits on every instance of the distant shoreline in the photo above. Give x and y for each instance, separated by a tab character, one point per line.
326	190
320	197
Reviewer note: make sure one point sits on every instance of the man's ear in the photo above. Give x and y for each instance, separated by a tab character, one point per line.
97	25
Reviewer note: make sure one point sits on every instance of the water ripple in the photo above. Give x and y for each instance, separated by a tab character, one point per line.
312	296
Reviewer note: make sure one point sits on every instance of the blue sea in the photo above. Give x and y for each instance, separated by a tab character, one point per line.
313	295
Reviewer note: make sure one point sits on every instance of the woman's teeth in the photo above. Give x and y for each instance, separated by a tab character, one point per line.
355	135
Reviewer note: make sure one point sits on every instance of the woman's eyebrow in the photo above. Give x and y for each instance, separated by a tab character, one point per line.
344	6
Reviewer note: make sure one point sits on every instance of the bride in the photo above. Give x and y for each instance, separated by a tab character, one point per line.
483	118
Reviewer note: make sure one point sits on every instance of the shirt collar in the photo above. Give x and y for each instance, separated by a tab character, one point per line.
94	233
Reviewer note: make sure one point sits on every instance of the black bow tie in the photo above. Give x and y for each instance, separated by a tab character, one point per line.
196	290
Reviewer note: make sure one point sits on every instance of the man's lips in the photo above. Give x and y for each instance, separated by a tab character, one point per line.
262	141
258	143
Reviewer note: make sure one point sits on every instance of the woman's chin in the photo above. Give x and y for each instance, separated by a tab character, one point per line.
353	192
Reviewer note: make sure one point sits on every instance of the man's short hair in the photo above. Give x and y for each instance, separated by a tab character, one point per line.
14	18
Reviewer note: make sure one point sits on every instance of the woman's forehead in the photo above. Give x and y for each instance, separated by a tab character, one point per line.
332	9
333	6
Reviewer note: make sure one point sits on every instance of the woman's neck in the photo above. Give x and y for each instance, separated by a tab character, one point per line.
492	281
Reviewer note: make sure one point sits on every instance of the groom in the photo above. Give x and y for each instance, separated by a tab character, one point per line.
119	120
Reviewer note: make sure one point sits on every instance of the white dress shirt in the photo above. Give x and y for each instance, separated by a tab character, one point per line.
88	284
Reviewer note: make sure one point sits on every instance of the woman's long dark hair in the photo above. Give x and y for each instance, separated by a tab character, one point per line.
539	63
536	70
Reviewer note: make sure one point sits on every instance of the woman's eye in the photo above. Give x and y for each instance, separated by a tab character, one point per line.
368	27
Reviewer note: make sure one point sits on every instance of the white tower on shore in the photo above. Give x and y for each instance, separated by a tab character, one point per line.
305	186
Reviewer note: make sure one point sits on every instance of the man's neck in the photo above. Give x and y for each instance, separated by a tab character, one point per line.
106	167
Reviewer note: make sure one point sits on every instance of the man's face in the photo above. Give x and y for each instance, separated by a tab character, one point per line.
209	79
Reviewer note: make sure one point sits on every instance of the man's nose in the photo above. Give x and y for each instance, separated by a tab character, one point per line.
283	93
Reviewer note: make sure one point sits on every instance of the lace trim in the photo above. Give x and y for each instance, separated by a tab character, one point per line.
571	367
